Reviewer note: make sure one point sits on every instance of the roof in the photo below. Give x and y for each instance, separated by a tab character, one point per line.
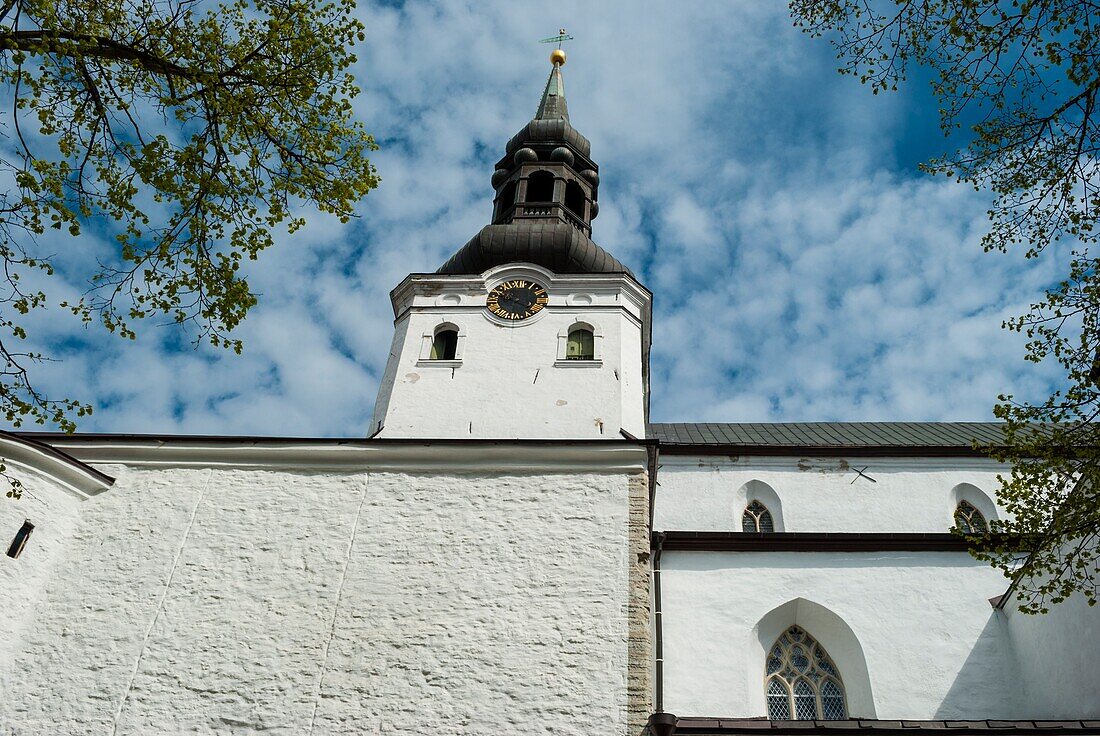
773	438
557	246
863	725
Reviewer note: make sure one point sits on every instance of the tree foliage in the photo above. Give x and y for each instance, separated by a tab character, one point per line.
189	130
1018	82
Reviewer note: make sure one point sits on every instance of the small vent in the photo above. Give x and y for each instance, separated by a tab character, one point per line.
20	540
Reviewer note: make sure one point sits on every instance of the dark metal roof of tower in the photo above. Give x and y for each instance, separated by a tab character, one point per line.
555	245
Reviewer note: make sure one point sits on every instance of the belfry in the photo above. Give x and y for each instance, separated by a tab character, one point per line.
512	547
530	330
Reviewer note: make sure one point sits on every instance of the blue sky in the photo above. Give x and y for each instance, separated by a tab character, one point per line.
802	268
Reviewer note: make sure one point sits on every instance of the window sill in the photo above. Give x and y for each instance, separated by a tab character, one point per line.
429	363
561	363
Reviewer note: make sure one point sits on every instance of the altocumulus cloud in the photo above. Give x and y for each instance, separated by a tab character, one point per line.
802	269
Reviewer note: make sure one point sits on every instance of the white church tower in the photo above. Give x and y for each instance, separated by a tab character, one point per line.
531	330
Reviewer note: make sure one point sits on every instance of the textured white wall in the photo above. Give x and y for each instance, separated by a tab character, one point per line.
933	645
509	382
706	493
54	512
234	601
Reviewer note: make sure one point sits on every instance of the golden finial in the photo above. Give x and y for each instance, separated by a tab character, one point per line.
557	56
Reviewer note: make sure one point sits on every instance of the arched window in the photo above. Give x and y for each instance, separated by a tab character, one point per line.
574	198
506	199
581	345
757	518
969	520
803	683
445	345
540	187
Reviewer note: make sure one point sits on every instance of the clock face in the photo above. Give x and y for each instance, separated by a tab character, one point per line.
517	299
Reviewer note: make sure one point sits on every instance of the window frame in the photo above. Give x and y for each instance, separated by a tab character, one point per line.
426	360
564	361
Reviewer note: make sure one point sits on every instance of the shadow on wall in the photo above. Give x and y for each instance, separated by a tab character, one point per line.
834	635
1056	658
989	679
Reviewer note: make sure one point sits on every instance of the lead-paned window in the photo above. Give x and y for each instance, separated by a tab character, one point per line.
802	682
969	520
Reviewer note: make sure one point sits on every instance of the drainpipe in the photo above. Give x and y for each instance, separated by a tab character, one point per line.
658	644
660	723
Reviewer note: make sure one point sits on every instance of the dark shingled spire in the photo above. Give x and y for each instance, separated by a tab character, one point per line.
546	198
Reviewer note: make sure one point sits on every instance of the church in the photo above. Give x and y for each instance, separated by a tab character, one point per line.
514	548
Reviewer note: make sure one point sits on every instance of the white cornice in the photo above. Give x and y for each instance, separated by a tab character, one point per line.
367	455
423	284
60	467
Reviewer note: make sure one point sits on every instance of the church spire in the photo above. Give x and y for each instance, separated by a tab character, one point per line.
547	188
552	105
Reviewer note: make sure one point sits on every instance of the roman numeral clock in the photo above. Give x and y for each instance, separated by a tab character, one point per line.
516	300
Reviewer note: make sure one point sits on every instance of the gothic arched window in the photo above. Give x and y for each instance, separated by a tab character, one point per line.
803	683
581	345
969	520
757	518
445	345
540	187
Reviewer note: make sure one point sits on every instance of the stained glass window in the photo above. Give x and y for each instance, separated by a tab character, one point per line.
757	518
803	683
969	520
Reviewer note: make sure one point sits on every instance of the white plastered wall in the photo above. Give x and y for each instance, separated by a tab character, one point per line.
229	599
933	646
511	380
709	493
54	511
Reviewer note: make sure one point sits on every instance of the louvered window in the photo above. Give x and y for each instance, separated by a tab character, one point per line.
757	518
803	683
969	520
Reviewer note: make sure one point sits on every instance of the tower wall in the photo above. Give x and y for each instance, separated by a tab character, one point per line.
512	380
